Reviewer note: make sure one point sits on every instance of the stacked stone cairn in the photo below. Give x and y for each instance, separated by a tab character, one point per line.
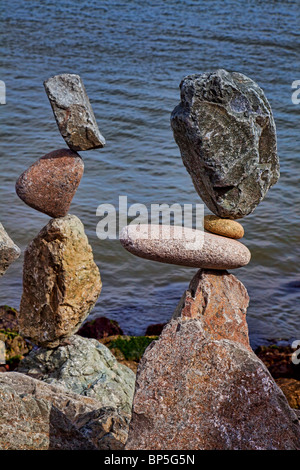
61	282
200	386
69	392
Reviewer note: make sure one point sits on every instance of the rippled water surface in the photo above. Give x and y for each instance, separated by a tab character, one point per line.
132	56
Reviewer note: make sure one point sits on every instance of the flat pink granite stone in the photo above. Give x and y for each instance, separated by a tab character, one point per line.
50	183
175	245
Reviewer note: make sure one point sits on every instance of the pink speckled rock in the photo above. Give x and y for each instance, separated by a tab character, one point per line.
201	387
175	245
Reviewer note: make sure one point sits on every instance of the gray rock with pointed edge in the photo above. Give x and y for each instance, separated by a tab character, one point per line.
73	112
9	252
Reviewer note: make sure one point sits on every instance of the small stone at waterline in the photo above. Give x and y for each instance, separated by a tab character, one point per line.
73	112
224	227
9	252
184	247
50	183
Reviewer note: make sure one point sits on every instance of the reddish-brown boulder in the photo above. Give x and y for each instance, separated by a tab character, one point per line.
201	387
155	329
220	300
50	183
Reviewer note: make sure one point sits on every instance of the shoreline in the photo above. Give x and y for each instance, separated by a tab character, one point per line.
276	354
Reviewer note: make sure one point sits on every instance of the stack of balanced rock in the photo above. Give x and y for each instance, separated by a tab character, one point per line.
61	281
200	385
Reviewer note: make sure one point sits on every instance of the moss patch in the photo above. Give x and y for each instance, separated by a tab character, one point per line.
128	348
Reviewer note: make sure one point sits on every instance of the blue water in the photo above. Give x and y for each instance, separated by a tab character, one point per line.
132	56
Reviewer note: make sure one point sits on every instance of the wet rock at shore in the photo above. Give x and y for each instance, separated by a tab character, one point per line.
184	246
9	251
49	185
84	366
201	387
279	361
73	112
61	282
226	134
40	416
154	329
100	327
291	389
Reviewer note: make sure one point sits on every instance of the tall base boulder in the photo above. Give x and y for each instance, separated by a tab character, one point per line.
61	282
201	387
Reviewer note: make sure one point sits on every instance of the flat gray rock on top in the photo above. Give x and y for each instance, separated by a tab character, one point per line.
226	134
9	252
73	112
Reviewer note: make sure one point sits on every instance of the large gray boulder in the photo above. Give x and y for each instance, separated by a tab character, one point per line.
37	416
201	387
86	367
225	130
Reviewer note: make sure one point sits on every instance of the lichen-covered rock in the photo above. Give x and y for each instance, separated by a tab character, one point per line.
50	183
201	387
8	318
225	130
61	282
37	416
107	428
9	251
84	366
15	346
73	112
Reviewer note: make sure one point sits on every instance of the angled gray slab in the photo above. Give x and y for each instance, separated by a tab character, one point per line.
9	252
73	112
